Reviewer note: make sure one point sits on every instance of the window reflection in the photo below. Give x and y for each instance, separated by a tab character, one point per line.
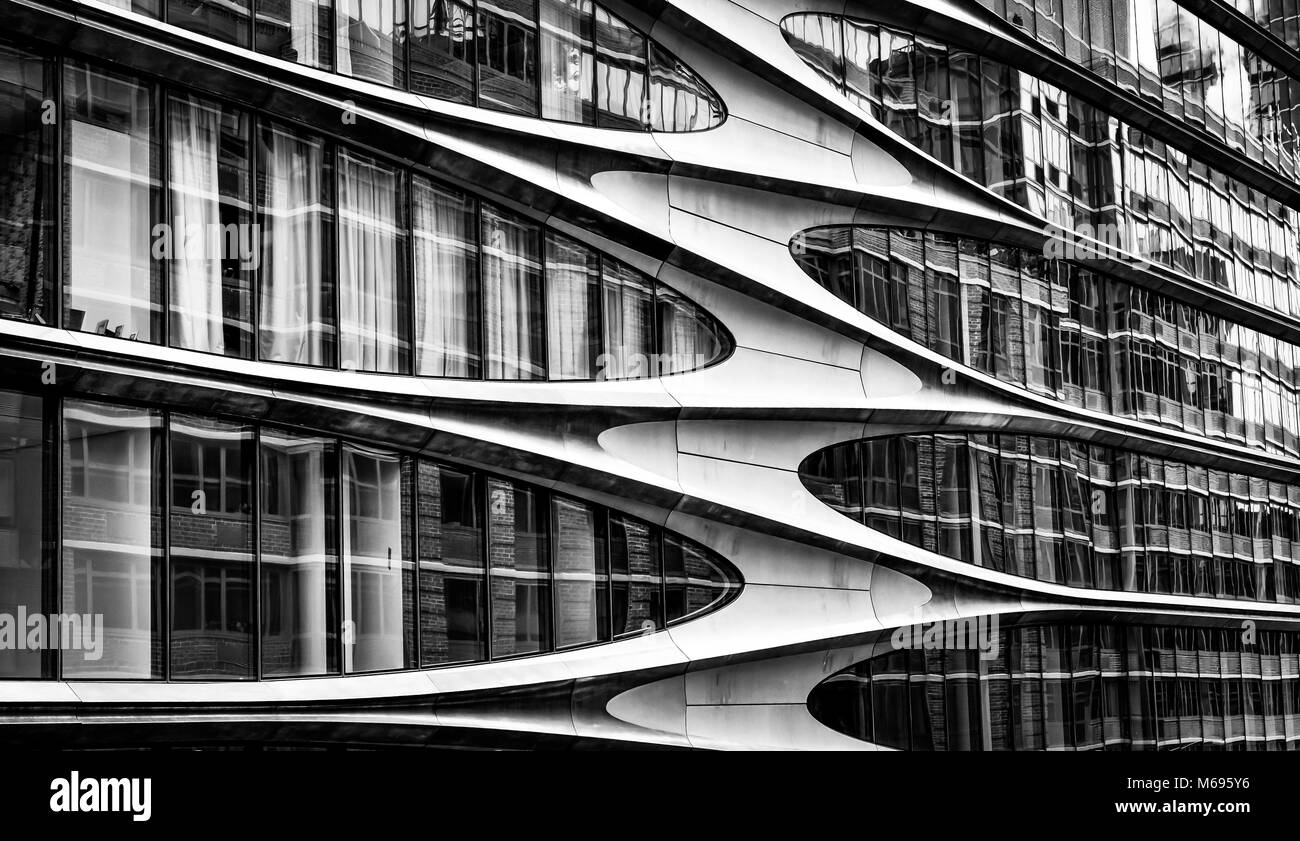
26	580
26	189
110	163
299	557
1078	167
1065	332
349	558
1071	686
378	569
1066	513
211	552
112	535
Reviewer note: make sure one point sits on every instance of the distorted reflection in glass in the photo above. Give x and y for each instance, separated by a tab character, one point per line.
581	573
111	171
211	552
512	297
26	571
453	580
112	536
378	569
26	189
299	555
518	523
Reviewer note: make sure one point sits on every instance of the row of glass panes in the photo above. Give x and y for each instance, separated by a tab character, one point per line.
1066	332
199	224
570	60
1168	56
1069	513
210	549
1072	164
1076	686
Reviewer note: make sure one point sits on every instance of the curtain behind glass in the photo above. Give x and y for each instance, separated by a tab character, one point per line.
512	298
629	322
572	308
689	338
297	300
567	61
445	227
372	267
212	246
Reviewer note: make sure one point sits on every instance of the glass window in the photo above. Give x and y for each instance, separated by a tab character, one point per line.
26	580
620	72
567	61
453	588
519	519
296	216
112	194
378	626
572	309
213	248
26	189
112	536
512	298
299	560
442	49
629	322
371	40
507	55
211	561
581	573
226	22
636	576
689	338
693	582
446	282
374	298
679	99
294	30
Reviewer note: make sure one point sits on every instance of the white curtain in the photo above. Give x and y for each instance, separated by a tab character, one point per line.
572	320
445	250
629	323
294	301
511	309
195	144
369	267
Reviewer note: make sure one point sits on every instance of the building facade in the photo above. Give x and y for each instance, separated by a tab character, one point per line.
684	373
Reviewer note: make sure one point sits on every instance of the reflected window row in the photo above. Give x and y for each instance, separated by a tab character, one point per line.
1066	332
190	222
1074	165
1162	52
212	549
1073	686
1070	513
569	60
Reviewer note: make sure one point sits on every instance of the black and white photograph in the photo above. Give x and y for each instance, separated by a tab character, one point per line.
460	384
